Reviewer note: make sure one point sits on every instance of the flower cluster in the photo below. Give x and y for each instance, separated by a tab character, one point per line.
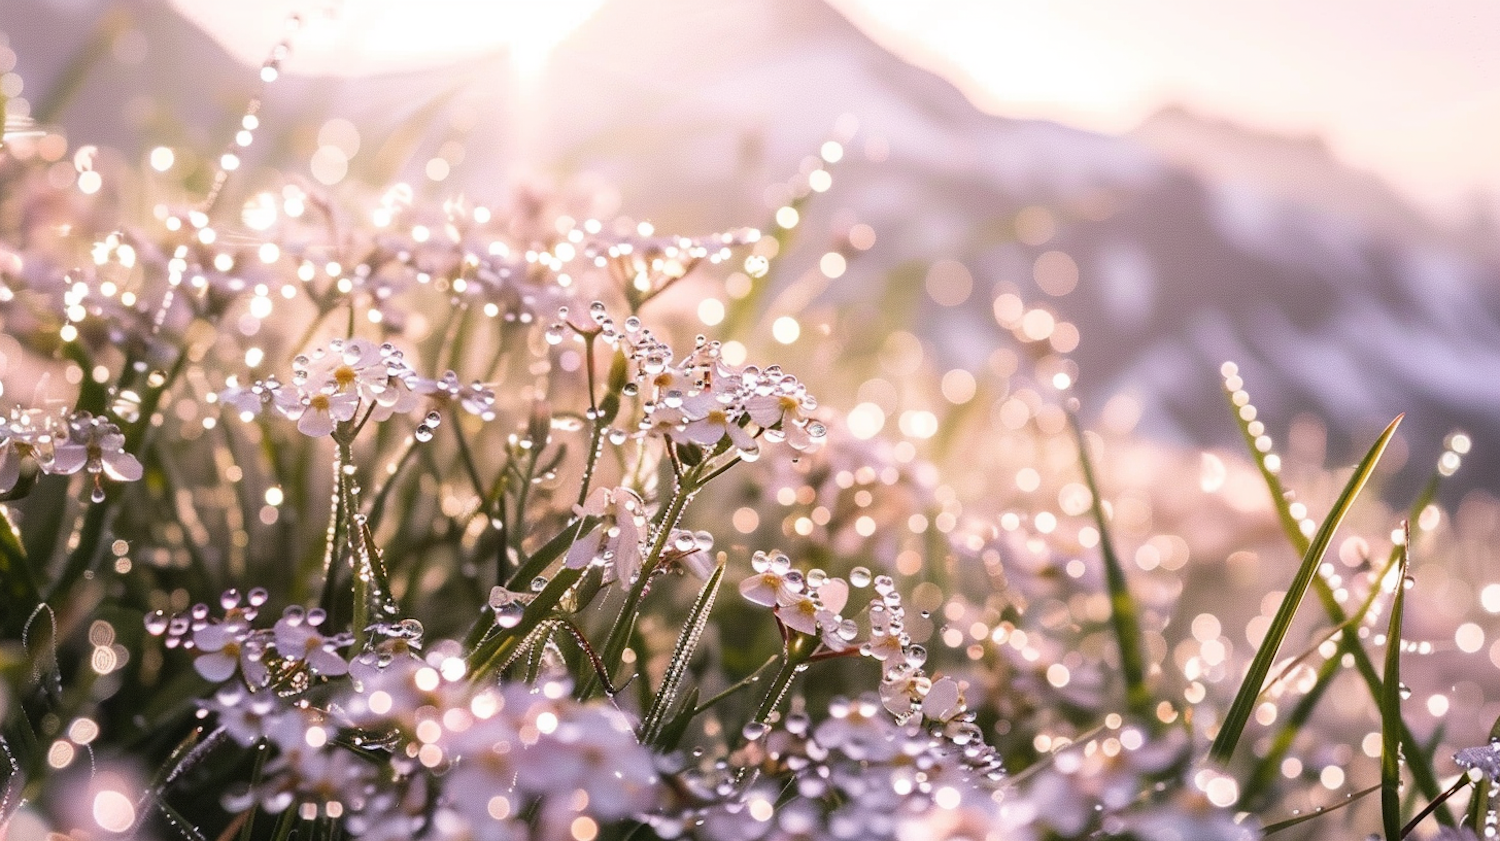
63	445
855	773
701	399
332	385
231	644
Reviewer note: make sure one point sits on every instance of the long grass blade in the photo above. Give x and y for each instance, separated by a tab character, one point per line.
1346	633
1244	701
1390	711
1124	614
682	654
1272	829
1419	758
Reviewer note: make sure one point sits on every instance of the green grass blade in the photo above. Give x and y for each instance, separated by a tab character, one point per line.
496	650
1124	614
1419	758
1272	829
1348	640
17	582
682	653
1390	713
1244	702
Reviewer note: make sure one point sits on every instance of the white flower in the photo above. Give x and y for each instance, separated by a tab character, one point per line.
710	420
353	366
774	582
262	396
19	438
323	412
800	614
96	446
617	539
297	638
227	646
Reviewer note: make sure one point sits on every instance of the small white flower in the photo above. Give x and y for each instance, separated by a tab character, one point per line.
323	412
618	537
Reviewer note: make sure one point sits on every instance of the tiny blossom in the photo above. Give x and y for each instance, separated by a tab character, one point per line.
691	551
19	439
322	413
799	614
260	397
96	446
229	646
247	717
298	638
1483	758
617	539
774	582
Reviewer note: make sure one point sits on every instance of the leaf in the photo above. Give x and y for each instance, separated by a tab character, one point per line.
497	649
1390	712
671	734
16	577
549	552
1244	701
682	654
1124	615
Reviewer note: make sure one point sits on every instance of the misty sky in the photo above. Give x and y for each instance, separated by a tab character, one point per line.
1408	90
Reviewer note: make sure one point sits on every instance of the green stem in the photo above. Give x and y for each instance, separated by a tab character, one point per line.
778	689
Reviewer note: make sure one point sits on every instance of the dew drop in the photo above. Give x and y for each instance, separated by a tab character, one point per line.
156	623
423	433
508	615
859	576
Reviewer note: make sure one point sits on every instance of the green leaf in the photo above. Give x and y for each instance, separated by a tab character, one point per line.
672	732
1244	701
497	650
1390	713
682	654
553	549
1124	615
19	583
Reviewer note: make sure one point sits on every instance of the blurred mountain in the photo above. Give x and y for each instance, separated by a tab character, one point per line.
1194	241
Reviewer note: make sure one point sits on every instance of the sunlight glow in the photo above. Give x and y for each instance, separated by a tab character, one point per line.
380	36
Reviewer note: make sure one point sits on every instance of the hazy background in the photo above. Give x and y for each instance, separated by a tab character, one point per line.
1309	191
